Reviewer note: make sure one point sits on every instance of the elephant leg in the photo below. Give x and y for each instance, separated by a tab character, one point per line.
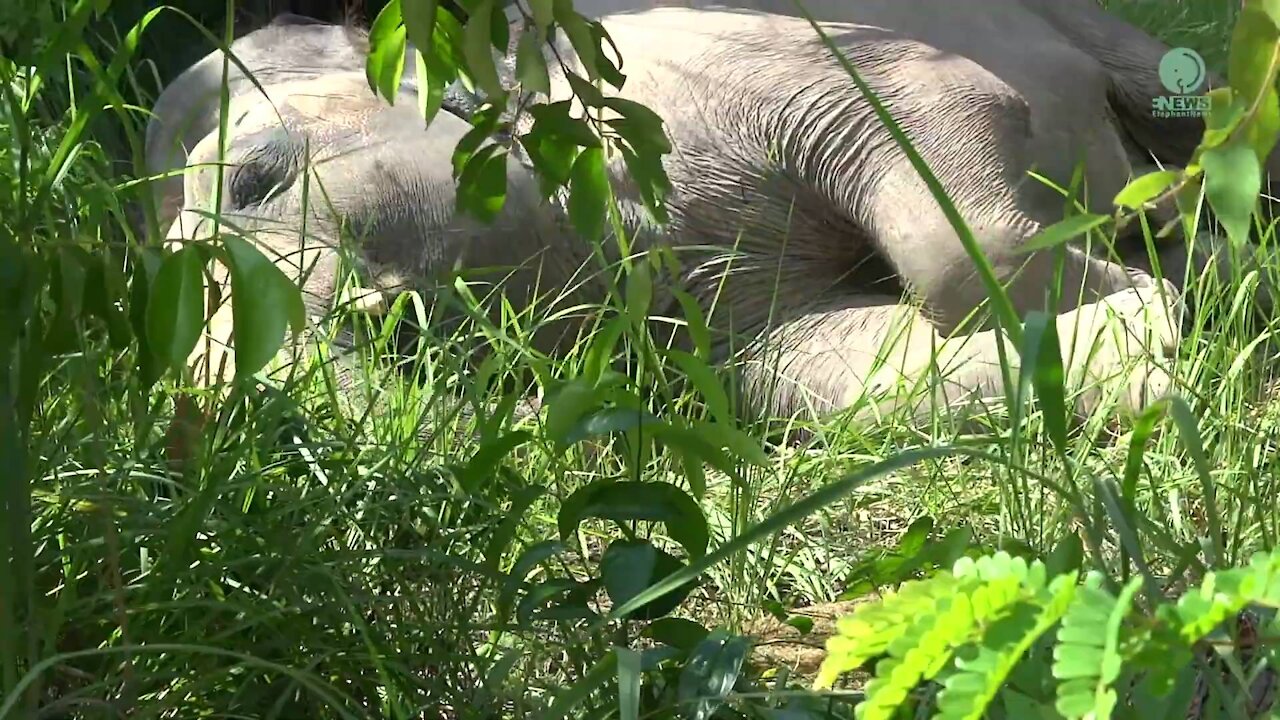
877	356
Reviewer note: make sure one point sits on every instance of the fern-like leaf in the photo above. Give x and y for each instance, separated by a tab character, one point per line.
873	628
979	675
1087	659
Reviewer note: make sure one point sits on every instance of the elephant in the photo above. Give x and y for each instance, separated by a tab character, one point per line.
829	275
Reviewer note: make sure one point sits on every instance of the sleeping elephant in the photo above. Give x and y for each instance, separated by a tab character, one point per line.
829	274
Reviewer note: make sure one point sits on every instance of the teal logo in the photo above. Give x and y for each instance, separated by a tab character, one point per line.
1182	72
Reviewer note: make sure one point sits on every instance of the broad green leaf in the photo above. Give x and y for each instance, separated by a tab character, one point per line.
608	71
478	49
575	26
528	560
1233	179
482	185
419	22
567	406
629	567
1263	130
385	65
553	120
1142	190
484	122
639	125
430	89
680	633
531	64
786	516
648	174
710	386
626	501
589	193
1270	7
552	158
1064	231
629	676
729	435
609	421
264	304
1226	110
639	293
588	94
710	674
175	308
1252	59
566	700
542	11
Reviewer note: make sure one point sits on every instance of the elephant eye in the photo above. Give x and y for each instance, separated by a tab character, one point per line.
250	185
262	173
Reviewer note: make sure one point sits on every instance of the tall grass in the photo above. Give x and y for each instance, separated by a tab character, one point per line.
329	555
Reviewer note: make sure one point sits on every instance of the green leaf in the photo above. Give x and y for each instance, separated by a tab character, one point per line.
630	500
1064	231
1142	190
529	559
589	193
709	385
175	308
1232	182
419	22
567	405
1044	363
430	89
575	27
651	179
542	11
477	48
553	120
531	64
577	693
264	303
679	633
604	66
586	92
609	421
482	185
786	516
628	683
484	123
629	567
710	674
1251	61
385	65
552	158
639	125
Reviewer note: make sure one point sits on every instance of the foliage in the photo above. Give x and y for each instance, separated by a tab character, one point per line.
565	151
969	628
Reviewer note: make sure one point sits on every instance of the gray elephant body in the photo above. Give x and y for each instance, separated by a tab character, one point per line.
799	221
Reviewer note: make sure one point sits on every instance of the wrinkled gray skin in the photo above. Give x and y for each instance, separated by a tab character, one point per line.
781	173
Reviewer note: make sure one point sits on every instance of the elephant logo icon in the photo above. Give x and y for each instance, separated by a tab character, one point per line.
1182	70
